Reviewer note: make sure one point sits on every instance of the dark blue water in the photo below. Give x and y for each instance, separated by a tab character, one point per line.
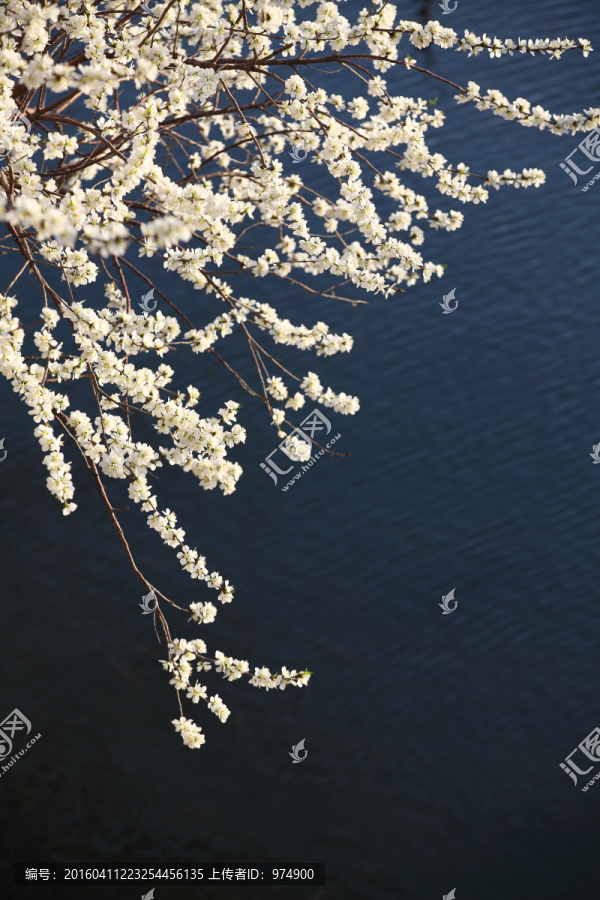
434	741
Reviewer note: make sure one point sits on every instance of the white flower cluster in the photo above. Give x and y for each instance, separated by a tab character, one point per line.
297	448
183	653
75	265
342	403
423	35
191	734
202	339
45	404
521	111
473	45
283	332
263	678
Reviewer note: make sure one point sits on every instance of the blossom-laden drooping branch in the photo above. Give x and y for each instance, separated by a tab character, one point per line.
130	132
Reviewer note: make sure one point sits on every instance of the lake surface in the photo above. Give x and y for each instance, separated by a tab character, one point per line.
434	741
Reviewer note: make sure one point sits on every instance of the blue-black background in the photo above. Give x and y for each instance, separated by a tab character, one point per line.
433	741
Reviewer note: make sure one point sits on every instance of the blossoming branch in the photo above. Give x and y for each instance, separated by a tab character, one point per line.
131	133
